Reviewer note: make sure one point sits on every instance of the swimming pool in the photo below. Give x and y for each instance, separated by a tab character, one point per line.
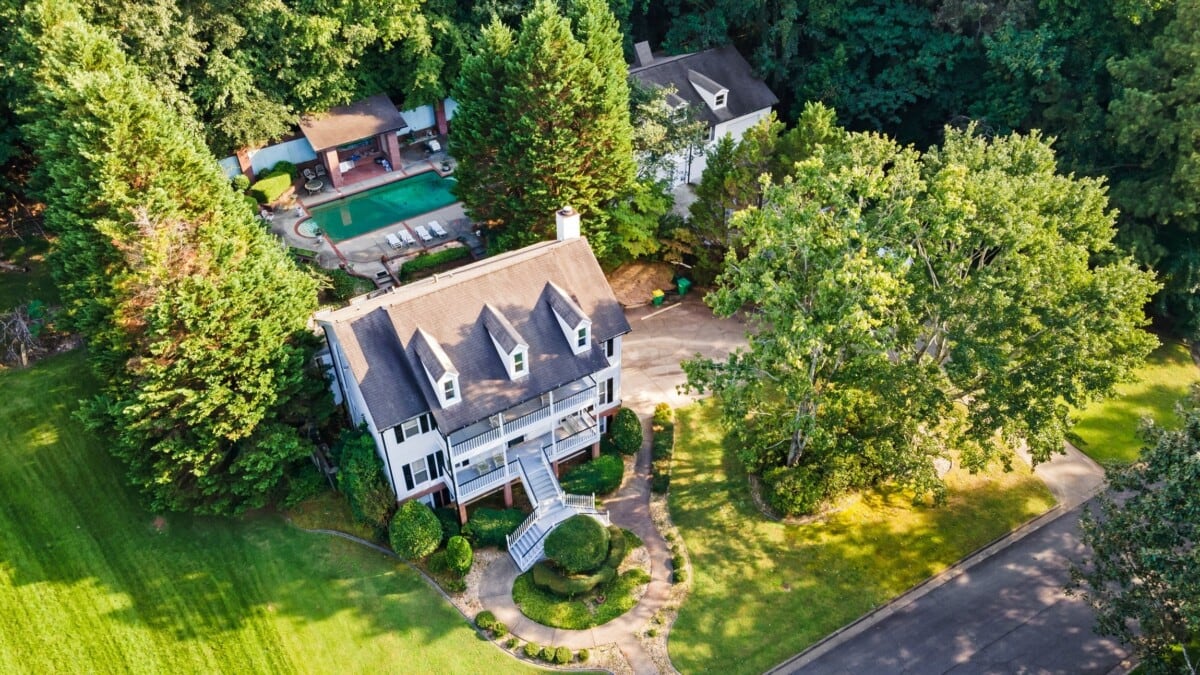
383	206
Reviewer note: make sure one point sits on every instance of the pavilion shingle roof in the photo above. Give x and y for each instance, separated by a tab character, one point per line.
348	123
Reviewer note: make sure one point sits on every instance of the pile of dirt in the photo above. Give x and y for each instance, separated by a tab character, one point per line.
633	282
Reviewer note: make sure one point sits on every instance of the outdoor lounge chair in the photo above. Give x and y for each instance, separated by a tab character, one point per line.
423	233
394	241
437	228
406	238
309	174
320	170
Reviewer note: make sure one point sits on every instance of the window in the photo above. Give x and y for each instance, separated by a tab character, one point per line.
719	100
448	390
606	392
412	427
419	470
518	362
581	337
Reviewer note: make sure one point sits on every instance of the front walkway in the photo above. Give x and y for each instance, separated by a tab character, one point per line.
661	338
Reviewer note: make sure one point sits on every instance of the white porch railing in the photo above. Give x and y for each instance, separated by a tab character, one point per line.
574	401
539	511
576	441
463	448
483	483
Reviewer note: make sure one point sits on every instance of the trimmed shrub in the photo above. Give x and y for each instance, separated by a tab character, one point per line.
548	654
437	563
578	545
240	182
662	415
268	189
459	555
448	518
600	476
485	620
547	578
626	431
499	630
678	576
618	547
582	655
415	532
360	478
284	167
489	527
454	585
532	650
562	655
511	643
425	261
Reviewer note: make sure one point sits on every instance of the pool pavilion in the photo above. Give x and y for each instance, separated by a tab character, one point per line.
354	136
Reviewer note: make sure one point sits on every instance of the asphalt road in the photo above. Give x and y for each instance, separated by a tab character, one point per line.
1007	614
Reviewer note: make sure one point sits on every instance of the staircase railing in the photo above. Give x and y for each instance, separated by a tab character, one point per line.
538	512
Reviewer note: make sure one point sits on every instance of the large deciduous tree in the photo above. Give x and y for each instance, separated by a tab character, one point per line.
909	307
543	122
1143	574
192	312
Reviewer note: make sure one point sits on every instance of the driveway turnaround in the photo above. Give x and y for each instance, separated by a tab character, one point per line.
1006	614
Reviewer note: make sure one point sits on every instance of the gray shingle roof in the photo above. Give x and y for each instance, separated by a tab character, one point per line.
722	66
564	306
432	356
378	334
501	329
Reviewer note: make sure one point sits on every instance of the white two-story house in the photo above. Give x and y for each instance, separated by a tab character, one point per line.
719	86
492	374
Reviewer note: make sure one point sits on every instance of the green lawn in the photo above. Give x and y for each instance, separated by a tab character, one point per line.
19	287
763	591
1108	429
90	582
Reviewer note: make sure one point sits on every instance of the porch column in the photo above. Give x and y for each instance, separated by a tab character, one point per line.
332	167
390	147
439	112
595	449
243	158
554	465
462	514
508	500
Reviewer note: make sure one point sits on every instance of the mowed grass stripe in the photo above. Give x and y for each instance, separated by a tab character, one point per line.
88	583
763	591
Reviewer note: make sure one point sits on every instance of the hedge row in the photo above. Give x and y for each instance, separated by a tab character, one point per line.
662	446
490	527
599	476
425	261
548	578
559	655
272	184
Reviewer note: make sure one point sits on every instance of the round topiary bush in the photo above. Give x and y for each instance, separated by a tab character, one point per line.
415	532
562	655
578	545
459	555
626	432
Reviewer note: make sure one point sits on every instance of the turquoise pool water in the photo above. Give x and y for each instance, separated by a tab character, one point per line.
383	206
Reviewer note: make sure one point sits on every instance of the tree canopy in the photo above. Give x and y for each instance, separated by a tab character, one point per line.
911	306
192	313
543	122
1143	574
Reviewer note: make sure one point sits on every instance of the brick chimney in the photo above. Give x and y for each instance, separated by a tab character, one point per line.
642	56
566	222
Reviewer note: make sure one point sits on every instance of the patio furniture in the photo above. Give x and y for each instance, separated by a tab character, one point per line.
407	238
433	145
394	242
320	170
346	165
309	174
437	228
423	233
314	186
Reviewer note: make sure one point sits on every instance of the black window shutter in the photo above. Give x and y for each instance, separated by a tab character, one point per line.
408	481
431	463
399	435
425	424
441	463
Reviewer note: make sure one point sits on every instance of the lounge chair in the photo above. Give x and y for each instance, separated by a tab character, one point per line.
394	242
406	238
309	174
423	233
437	228
320	170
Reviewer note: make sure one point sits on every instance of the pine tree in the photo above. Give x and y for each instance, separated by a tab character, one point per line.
543	122
192	313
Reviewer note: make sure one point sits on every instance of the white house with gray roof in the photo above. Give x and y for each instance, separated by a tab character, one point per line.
720	87
492	374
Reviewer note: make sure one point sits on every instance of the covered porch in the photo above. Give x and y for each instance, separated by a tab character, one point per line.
355	137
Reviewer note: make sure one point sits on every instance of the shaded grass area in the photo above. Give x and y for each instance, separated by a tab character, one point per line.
1107	430
88	579
763	591
20	287
584	611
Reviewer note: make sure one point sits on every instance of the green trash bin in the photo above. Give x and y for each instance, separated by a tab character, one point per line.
683	284
657	298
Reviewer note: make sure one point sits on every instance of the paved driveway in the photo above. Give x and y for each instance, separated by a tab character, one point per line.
1007	614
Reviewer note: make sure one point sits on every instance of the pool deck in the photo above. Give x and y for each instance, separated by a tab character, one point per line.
367	254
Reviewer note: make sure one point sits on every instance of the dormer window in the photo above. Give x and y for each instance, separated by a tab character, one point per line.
510	347
575	325
442	374
518	362
719	99
449	390
581	338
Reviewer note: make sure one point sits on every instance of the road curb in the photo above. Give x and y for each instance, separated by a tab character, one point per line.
867	621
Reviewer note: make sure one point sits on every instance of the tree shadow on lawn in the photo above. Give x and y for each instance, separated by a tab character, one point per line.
764	590
70	521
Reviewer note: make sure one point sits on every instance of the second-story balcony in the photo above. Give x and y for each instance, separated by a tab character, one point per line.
567	399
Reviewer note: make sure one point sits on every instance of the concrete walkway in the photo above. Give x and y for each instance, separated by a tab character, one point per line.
661	338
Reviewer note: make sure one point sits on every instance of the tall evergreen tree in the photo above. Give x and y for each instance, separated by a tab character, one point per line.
192	313
543	121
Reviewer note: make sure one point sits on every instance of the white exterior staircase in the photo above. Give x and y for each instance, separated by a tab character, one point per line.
551	507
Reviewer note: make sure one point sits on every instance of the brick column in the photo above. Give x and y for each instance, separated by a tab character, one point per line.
462	514
439	112
243	158
595	450
508	500
390	147
332	167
